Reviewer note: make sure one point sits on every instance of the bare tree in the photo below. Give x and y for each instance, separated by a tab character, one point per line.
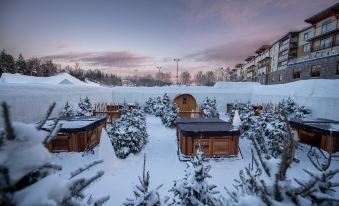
185	78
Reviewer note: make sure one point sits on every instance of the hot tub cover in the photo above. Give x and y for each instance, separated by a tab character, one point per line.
206	129
75	124
198	120
326	126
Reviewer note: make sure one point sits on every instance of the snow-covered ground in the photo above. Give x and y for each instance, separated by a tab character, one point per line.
163	164
29	100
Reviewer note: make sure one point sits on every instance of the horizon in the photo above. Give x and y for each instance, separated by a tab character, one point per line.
123	36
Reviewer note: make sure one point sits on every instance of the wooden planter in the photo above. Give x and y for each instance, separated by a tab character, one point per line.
215	137
76	134
320	133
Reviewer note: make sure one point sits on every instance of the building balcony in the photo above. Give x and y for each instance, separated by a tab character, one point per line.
316	55
283	58
283	47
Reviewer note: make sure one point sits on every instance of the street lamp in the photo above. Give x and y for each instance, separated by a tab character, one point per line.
159	75
177	60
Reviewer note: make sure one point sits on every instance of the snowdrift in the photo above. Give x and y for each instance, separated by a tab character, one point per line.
61	79
30	101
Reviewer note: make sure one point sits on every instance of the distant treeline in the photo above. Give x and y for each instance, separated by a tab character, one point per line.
44	68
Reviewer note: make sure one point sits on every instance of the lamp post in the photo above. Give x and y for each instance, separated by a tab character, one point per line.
177	60
159	75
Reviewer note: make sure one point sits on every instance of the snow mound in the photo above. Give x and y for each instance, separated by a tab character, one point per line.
61	79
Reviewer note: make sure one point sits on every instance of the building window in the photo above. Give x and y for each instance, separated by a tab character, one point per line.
272	78
315	71
184	100
296	73
326	27
337	73
323	44
307	36
307	48
280	77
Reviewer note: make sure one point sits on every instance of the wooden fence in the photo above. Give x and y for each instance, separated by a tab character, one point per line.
112	111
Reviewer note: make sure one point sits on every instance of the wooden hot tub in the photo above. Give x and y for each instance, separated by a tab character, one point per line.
76	134
215	137
321	133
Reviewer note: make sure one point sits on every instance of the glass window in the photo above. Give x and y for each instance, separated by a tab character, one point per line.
324	43
307	48
315	71
326	27
280	77
296	73
307	36
184	99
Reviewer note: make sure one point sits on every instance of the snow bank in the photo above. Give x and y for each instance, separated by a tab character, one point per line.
62	79
30	101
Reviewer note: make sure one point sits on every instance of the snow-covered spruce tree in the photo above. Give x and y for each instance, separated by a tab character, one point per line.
266	181
67	110
158	106
130	134
170	115
166	100
26	171
294	110
144	196
209	108
194	189
149	105
85	107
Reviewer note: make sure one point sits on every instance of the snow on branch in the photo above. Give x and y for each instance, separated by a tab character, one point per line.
86	167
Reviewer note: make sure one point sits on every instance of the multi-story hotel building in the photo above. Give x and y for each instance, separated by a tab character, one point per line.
250	68
287	50
312	52
263	64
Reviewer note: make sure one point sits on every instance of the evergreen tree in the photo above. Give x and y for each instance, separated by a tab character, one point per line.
170	116
194	189
68	110
166	102
209	109
25	165
293	110
144	196
7	63
266	181
149	105
131	134
158	107
85	107
21	65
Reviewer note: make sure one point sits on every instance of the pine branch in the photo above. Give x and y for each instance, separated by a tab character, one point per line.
79	185
7	122
101	201
48	114
86	167
53	132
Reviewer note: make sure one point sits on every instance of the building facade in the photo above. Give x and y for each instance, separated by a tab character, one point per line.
312	52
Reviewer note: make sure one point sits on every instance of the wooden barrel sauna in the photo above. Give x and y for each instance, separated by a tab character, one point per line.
76	134
187	105
320	133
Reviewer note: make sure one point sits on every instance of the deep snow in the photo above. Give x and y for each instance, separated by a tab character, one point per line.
164	165
29	101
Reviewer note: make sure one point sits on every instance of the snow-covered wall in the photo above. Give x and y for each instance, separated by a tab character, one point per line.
29	102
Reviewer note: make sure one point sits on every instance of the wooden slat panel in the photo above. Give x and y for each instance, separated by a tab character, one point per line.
205	145
222	147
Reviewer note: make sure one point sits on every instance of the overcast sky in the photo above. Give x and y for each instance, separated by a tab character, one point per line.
121	36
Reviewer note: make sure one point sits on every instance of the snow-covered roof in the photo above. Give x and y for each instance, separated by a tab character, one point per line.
62	79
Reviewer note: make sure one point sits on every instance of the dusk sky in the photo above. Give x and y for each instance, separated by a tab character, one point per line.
121	36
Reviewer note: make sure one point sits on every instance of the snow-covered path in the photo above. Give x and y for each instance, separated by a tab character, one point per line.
163	164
